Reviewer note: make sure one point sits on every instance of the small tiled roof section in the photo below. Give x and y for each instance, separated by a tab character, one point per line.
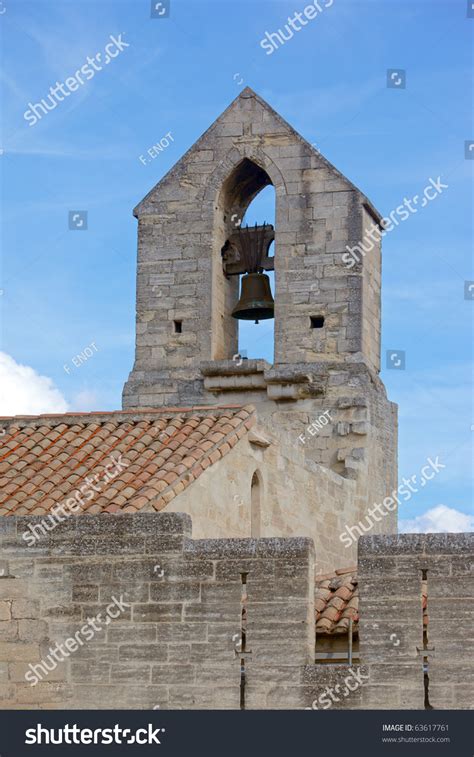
44	460
336	601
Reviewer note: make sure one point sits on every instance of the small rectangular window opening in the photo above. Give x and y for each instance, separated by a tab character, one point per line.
178	327
317	321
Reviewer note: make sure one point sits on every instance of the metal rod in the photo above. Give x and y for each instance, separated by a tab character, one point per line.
349	651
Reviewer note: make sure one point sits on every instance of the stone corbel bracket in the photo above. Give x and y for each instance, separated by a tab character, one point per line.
258	439
295	382
292	382
354	459
357	422
234	375
357	419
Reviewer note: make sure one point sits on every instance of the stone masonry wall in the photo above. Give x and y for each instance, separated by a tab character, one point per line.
391	627
371	267
359	443
174	645
338	687
177	641
297	498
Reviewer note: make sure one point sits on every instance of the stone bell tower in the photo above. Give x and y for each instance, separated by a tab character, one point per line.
327	311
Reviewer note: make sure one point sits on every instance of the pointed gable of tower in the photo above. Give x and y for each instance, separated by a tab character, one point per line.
248	116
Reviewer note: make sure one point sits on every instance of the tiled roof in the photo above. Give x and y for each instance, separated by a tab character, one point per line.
155	455
336	600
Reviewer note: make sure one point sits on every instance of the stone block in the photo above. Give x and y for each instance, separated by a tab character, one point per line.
45	694
8	630
85	593
130	673
157	612
131	632
90	672
19	652
25	608
175	674
18	670
175	592
13	588
143	652
32	630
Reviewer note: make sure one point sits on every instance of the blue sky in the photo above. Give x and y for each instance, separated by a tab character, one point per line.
66	289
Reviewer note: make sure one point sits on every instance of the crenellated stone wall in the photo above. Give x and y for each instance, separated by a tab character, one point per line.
182	607
392	642
175	642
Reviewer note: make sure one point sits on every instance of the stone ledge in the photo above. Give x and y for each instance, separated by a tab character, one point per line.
416	544
287	382
321	675
214	368
269	547
296	373
67	536
234	375
242	382
298	381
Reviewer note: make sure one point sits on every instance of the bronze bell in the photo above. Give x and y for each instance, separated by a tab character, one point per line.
256	301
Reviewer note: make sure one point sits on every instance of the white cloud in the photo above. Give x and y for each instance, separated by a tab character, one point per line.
24	392
439	519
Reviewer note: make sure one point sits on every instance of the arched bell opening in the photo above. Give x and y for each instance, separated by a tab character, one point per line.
247	198
257	340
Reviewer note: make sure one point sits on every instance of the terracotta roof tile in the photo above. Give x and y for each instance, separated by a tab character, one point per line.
45	460
334	594
344	592
336	601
